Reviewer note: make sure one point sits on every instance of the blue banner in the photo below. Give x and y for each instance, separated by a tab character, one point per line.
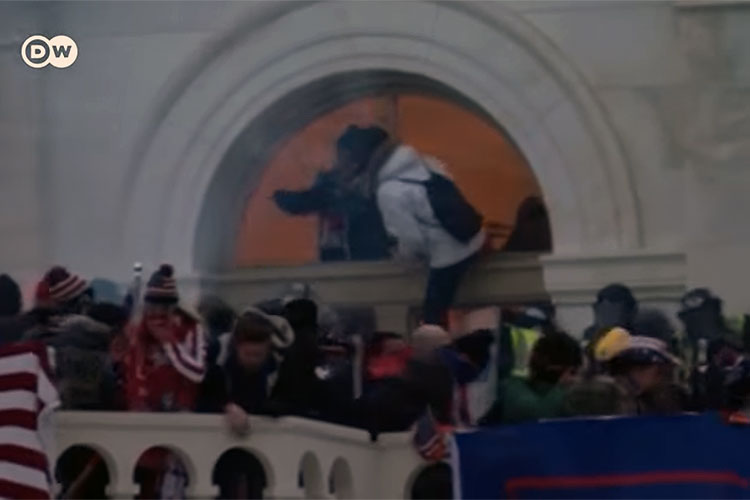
687	456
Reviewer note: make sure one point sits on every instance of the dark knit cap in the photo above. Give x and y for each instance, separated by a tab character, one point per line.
697	299
161	287
218	315
62	286
10	296
361	142
616	292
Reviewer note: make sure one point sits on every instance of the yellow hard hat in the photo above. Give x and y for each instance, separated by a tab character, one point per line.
613	343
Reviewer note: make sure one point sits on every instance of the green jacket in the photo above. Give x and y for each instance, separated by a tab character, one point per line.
521	400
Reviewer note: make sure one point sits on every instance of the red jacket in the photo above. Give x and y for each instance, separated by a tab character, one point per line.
385	365
165	376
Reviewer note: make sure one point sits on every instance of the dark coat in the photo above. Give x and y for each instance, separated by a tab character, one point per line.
84	372
230	383
12	328
366	236
335	392
394	404
296	388
521	400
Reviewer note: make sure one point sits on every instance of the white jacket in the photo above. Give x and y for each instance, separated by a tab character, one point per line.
408	215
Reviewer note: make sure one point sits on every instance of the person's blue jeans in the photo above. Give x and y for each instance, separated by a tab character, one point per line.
442	285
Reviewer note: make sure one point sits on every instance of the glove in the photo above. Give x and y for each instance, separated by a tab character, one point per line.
237	419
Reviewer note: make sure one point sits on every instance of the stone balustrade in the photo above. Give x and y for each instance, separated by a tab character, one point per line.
301	458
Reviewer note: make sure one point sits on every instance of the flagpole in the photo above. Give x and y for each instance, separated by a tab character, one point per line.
136	290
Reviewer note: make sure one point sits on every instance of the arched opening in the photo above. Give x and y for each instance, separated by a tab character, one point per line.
239	474
82	472
434	481
293	139
267	81
310	476
340	482
162	472
485	163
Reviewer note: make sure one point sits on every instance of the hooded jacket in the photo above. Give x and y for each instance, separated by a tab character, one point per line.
227	382
408	215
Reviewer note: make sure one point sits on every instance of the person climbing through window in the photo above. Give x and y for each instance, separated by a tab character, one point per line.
350	225
424	213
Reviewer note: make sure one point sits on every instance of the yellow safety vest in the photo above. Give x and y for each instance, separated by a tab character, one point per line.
523	341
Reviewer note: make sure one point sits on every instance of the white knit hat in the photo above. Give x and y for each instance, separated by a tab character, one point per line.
283	335
429	337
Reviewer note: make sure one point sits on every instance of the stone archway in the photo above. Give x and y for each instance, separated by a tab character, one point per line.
482	54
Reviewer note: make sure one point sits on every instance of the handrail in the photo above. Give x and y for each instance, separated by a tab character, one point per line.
326	454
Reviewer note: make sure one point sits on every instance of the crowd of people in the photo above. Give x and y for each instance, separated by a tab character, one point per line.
150	353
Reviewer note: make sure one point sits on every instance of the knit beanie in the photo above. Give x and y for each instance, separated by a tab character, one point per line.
161	287
697	299
617	292
283	334
59	286
427	338
42	299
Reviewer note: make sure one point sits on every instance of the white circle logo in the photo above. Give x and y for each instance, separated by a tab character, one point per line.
37	51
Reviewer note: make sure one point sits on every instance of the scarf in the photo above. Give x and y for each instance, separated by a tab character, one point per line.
157	379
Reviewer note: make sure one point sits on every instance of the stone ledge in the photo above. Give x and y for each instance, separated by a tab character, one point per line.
285	447
657	276
87	421
710	4
505	278
335	270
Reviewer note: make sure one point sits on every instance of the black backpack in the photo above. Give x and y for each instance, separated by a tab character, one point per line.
454	213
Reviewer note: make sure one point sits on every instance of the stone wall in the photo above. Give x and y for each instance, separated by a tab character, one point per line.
634	116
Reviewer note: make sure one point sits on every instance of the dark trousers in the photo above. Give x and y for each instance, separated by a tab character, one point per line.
442	285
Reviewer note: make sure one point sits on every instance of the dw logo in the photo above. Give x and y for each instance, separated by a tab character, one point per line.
37	51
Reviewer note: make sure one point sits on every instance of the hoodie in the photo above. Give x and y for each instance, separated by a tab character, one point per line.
227	382
408	215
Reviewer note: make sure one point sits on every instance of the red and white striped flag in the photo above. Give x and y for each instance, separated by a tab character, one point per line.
26	397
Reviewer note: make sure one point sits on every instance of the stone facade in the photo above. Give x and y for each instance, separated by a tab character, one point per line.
633	115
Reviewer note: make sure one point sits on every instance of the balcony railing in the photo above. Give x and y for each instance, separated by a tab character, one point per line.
301	458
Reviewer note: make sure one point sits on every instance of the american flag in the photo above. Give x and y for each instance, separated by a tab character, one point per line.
430	439
26	397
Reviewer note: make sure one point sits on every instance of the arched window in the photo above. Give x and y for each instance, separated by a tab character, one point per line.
486	165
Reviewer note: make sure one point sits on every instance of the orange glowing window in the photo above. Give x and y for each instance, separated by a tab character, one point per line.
487	166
